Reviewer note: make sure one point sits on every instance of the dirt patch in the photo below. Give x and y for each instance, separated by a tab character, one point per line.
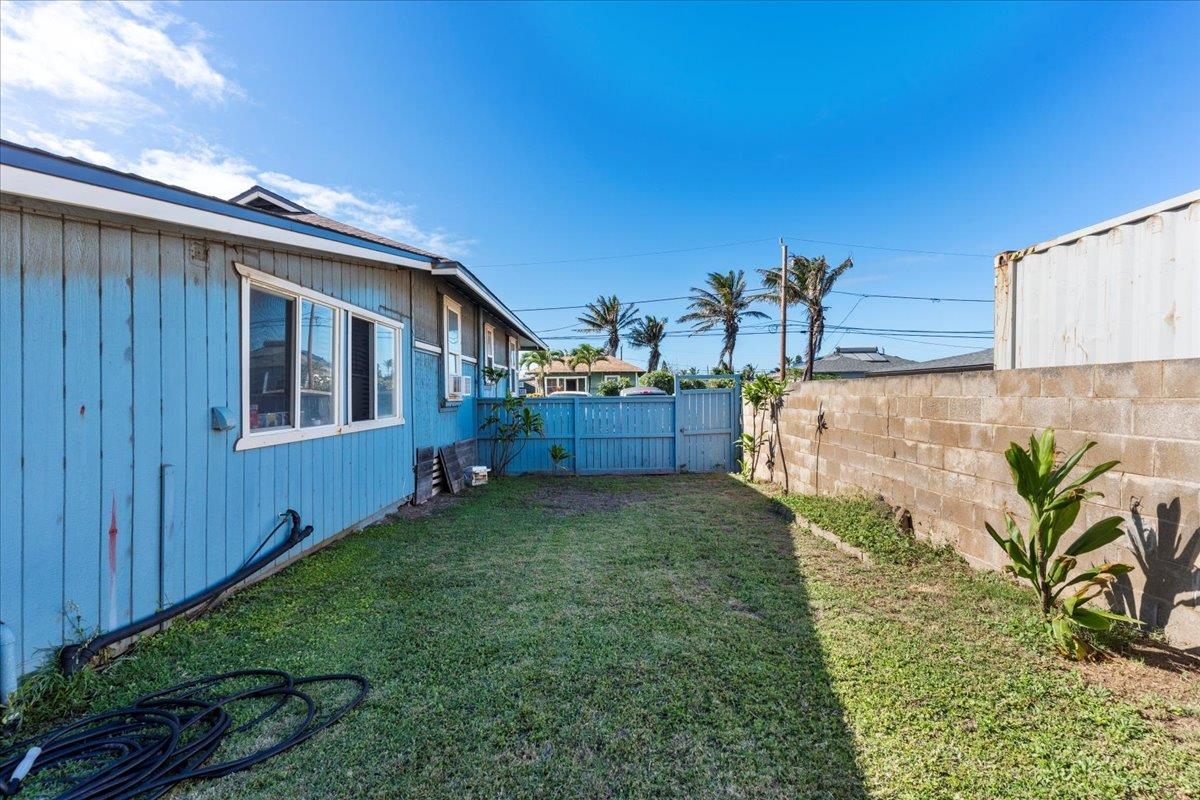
435	505
1148	669
565	497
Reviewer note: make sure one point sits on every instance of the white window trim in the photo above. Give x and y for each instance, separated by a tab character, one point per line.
489	344
427	347
449	305
380	422
250	440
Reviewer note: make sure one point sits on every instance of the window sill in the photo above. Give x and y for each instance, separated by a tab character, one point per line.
253	441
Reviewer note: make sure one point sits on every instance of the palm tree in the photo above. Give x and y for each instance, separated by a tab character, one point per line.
649	332
809	281
585	354
541	359
726	303
607	316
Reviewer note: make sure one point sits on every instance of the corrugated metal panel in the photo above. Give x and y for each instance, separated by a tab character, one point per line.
1126	292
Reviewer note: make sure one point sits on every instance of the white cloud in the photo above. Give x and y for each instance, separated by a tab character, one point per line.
202	167
102	62
199	167
114	68
75	148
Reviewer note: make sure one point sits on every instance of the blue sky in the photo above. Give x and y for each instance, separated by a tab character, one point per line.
510	134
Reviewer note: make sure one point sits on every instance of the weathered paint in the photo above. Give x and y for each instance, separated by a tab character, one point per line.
690	431
116	496
1115	292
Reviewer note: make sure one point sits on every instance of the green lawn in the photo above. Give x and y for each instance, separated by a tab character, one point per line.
666	637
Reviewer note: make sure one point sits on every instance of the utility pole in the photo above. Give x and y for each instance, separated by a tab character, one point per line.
783	284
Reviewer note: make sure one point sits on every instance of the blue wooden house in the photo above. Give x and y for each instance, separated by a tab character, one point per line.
177	370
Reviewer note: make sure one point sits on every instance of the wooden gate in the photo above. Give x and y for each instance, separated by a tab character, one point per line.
694	430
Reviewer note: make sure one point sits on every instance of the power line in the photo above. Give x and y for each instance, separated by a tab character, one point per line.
861	295
623	255
614	257
913	297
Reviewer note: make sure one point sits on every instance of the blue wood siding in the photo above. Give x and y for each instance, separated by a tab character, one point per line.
116	497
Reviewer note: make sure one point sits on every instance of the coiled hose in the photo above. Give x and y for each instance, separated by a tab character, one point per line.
195	730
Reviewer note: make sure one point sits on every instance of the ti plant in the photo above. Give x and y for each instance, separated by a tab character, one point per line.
512	423
494	374
560	456
761	394
1053	506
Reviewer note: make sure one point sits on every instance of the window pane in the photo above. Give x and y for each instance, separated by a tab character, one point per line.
360	369
271	355
453	340
316	364
385	372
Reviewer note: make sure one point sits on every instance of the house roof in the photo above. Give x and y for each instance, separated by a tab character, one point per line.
606	364
257	213
264	199
974	361
854	360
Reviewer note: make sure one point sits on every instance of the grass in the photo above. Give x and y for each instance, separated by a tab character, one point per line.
867	524
665	637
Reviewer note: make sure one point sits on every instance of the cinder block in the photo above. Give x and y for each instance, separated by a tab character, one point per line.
979	437
1072	382
979	384
1131	379
965	409
1046	412
1106	416
960	459
1002	410
1181	377
935	407
946	384
1177	460
1018	382
929	455
918	385
943	433
1176	419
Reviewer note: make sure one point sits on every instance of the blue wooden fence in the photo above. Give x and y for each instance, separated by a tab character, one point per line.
691	431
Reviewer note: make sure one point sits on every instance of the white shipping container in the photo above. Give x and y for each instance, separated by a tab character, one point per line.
1124	290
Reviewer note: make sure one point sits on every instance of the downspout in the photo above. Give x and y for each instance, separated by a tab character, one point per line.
8	663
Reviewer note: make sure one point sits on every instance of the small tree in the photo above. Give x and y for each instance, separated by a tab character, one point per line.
650	332
512	423
541	360
1052	512
585	355
760	394
659	379
559	455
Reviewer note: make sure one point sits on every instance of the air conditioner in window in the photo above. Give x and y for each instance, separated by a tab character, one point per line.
460	386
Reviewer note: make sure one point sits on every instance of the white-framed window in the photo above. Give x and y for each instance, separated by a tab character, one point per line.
458	385
300	363
489	345
566	385
612	377
514	366
374	369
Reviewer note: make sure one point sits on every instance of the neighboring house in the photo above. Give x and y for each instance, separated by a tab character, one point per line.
975	361
856	362
561	378
1127	289
181	369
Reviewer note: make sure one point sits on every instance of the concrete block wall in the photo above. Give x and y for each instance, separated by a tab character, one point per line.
934	445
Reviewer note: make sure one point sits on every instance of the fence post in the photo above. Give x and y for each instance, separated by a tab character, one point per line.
675	415
575	431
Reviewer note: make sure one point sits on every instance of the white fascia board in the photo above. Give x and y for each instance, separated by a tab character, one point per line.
474	285
52	188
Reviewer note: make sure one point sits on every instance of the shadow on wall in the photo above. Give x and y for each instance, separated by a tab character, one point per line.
1167	552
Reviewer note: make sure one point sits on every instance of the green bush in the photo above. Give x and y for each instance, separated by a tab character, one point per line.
659	379
612	388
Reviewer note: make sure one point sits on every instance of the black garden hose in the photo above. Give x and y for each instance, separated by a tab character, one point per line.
170	736
73	657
